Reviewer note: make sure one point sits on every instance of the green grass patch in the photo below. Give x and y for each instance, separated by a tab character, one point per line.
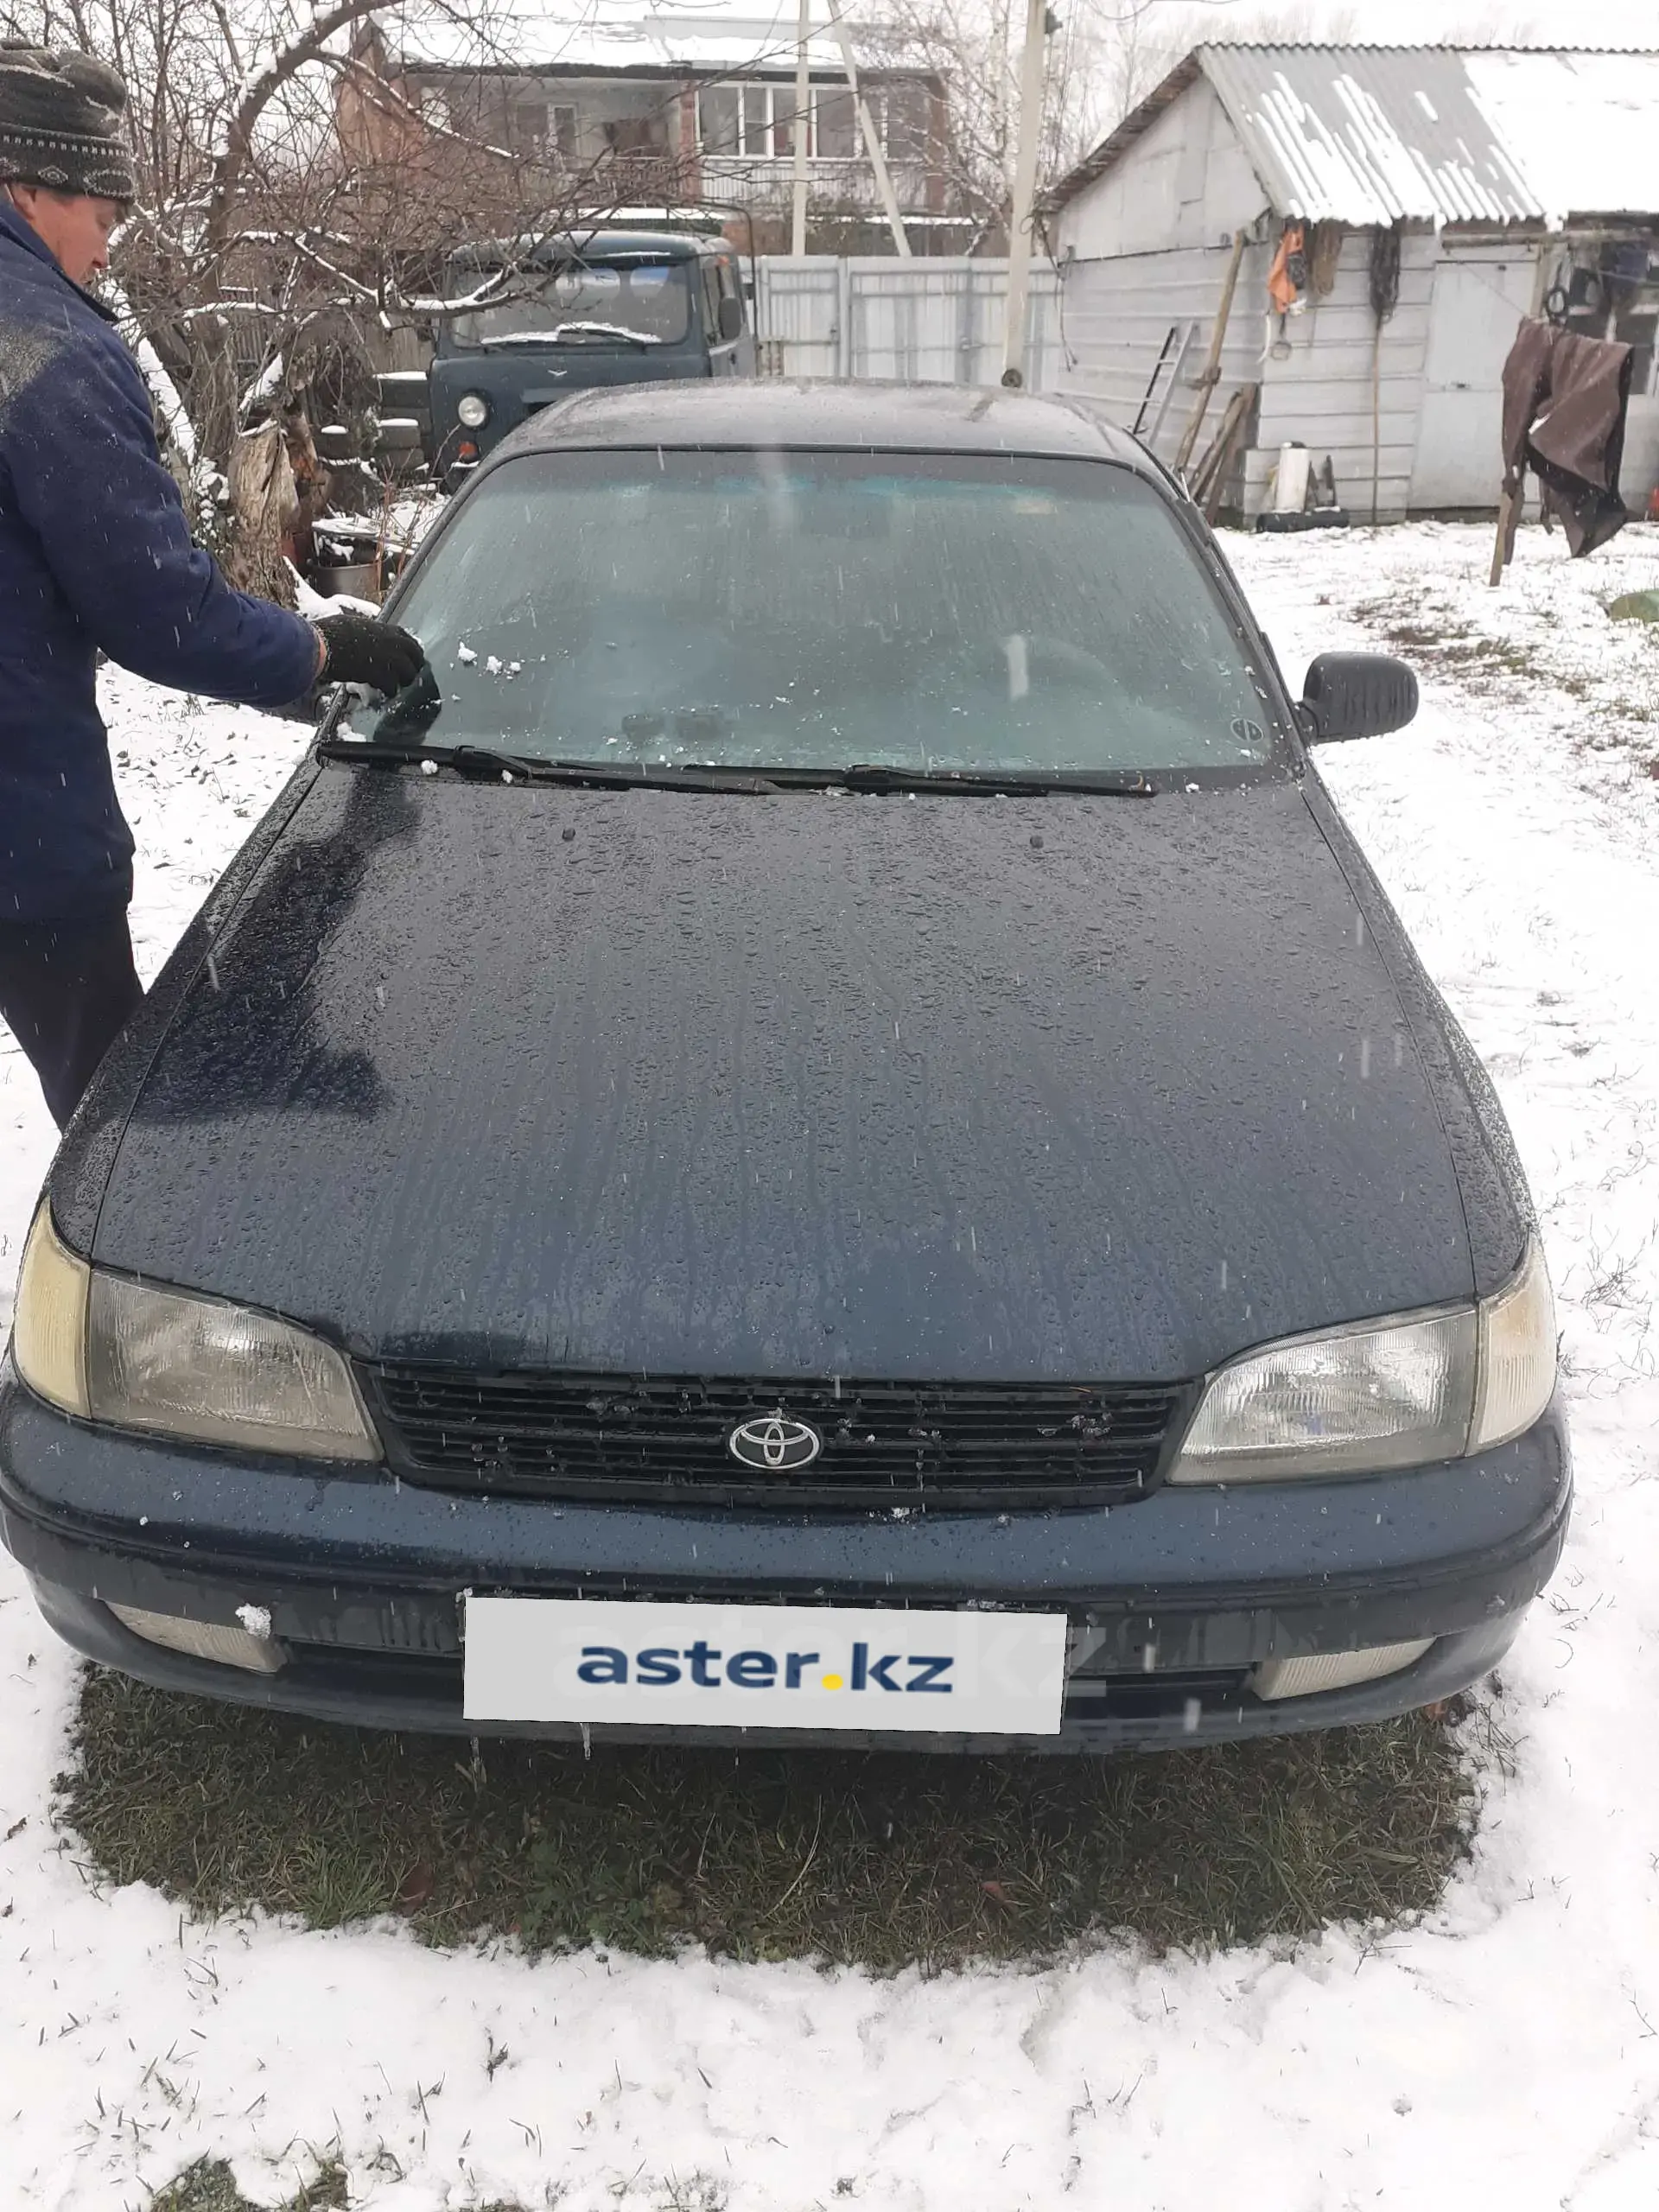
880	1858
209	2186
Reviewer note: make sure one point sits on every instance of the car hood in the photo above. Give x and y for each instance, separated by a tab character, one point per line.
813	1084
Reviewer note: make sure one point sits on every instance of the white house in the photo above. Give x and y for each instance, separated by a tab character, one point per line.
1444	193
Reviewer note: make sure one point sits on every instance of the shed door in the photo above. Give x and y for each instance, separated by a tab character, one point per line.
1478	301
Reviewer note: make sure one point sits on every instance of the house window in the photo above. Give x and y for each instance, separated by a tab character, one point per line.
564	132
529	126
837	124
902	118
636	134
757	121
718	120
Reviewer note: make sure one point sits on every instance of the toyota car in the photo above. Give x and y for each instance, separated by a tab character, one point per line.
821	1135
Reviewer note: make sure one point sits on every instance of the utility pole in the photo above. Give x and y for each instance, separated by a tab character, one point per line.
802	94
878	160
1025	192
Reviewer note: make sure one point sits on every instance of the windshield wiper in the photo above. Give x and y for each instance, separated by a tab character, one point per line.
560	331
483	764
877	777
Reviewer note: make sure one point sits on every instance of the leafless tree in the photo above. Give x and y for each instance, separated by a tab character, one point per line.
269	253
973	48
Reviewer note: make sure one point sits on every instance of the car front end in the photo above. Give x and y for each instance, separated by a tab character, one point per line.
737	1178
341	1590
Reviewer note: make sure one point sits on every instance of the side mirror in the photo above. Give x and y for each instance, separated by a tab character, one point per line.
731	320
1356	695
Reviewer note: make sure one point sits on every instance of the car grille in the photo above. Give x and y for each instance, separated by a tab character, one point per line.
884	1444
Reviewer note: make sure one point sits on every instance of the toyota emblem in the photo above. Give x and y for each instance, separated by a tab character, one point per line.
774	1445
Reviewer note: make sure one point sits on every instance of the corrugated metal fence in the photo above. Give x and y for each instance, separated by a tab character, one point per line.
933	320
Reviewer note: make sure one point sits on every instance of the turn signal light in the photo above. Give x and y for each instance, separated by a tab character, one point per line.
1334	1670
225	1647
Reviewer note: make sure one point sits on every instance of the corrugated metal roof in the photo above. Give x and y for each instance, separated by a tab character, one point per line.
1365	134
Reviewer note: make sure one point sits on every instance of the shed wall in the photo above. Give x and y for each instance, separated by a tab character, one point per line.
1323	393
1116	315
1186	183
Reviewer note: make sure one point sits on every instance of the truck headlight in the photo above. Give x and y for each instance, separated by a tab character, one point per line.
109	1349
473	410
1403	1391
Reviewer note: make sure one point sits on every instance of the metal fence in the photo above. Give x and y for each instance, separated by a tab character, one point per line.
926	321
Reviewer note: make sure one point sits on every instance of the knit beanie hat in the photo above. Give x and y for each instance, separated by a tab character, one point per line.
61	123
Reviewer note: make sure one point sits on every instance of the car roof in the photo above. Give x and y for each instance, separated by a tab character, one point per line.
581	244
744	414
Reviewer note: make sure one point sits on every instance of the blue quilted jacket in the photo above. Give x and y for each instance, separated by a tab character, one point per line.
95	552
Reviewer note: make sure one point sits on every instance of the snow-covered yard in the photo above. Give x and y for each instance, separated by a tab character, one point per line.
1507	2052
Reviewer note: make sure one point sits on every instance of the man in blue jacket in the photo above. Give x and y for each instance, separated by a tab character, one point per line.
95	553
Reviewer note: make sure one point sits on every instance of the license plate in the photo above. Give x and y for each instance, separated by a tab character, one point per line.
819	1667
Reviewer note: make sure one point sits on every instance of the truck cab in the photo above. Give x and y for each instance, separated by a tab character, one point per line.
524	325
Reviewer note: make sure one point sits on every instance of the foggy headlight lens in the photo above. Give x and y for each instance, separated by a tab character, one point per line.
1388	1394
473	410
191	1367
107	1349
1401	1392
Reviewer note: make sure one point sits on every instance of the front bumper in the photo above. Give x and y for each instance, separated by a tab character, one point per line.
1173	1599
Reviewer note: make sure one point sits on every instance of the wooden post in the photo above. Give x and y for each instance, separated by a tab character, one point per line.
1210	376
1506	507
1232	433
1510	504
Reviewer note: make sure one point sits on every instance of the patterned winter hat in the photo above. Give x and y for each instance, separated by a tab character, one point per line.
61	118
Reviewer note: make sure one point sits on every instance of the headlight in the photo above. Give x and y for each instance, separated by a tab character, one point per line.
111	1350
473	410
1404	1391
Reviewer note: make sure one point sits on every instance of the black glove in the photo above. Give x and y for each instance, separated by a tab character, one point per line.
362	649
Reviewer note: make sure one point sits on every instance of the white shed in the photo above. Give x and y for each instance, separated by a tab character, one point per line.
1456	190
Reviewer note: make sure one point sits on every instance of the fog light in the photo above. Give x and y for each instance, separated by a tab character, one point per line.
225	1647
1334	1670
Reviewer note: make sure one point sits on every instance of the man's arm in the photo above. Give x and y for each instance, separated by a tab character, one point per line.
87	476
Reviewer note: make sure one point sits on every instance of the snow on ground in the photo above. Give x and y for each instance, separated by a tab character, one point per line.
1506	2052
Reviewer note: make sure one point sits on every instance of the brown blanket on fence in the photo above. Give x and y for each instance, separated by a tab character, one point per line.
1564	404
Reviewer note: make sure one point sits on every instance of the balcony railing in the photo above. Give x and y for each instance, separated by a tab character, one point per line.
768	180
649	180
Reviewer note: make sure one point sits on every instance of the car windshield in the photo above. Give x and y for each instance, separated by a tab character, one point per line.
646	302
813	610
